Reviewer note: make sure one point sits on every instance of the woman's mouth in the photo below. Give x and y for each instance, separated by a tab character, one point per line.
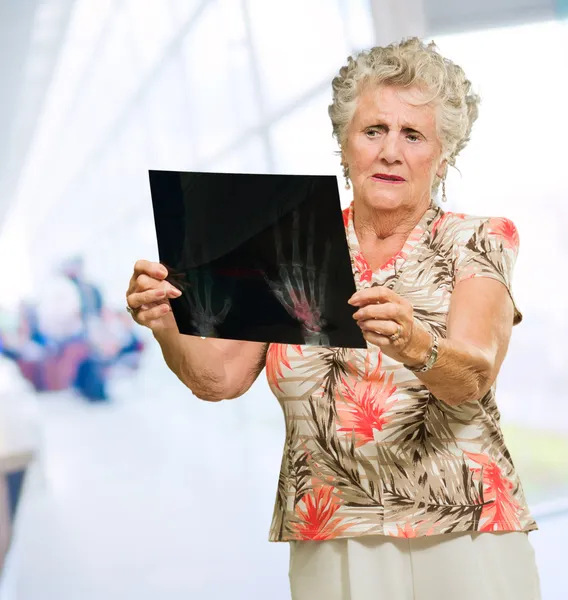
388	178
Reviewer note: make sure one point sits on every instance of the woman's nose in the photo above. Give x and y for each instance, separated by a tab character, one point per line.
390	150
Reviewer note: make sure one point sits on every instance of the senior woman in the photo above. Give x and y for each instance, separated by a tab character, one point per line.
396	482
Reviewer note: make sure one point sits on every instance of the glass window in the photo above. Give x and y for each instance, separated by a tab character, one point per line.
87	22
358	23
114	77
15	244
297	45
135	145
109	84
221	97
302	140
249	156
168	118
183	9
152	27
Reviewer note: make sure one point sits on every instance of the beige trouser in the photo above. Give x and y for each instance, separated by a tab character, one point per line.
470	566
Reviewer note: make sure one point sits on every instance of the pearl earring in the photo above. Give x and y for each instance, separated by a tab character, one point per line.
444	197
346	175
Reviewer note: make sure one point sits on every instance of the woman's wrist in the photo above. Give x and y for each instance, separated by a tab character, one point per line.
419	349
430	360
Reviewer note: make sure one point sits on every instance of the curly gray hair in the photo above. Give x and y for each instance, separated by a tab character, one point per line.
405	64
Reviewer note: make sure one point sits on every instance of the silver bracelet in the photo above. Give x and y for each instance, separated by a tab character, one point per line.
432	356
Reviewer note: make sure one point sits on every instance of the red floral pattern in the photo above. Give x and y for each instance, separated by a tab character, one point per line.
276	359
506	230
315	515
408	531
362	406
501	511
439	222
362	267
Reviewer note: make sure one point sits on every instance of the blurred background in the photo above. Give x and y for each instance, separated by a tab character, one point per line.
125	485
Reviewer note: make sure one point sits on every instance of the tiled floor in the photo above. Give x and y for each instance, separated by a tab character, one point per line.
162	496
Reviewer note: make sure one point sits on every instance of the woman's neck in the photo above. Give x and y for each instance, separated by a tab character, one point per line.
378	226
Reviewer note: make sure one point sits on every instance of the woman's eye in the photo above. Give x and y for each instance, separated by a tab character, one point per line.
413	137
372	132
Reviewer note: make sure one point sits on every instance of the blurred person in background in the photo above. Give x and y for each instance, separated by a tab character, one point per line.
71	341
396	482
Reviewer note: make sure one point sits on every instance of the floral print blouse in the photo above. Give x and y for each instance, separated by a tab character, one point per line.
368	449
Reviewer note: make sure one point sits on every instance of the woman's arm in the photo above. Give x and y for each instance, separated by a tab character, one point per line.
213	369
478	333
477	337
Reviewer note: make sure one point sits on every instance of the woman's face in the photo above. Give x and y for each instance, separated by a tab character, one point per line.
389	137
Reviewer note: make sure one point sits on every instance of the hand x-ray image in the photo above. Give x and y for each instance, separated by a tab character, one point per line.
257	257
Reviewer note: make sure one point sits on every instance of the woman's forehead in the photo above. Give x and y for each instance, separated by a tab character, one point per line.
398	105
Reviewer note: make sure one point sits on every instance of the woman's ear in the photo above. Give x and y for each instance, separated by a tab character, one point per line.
442	169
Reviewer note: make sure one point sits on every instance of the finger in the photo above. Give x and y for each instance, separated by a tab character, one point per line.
377	293
145	317
138	300
164	292
379	327
152	269
144	283
173	292
377	340
146	272
386	312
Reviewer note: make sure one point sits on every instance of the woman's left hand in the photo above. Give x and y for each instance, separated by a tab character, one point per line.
387	321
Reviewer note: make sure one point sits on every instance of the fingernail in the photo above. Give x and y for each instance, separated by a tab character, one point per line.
176	292
160	293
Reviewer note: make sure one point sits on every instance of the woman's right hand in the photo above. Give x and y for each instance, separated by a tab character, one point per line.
148	296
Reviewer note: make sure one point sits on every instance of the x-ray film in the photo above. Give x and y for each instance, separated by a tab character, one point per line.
257	257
